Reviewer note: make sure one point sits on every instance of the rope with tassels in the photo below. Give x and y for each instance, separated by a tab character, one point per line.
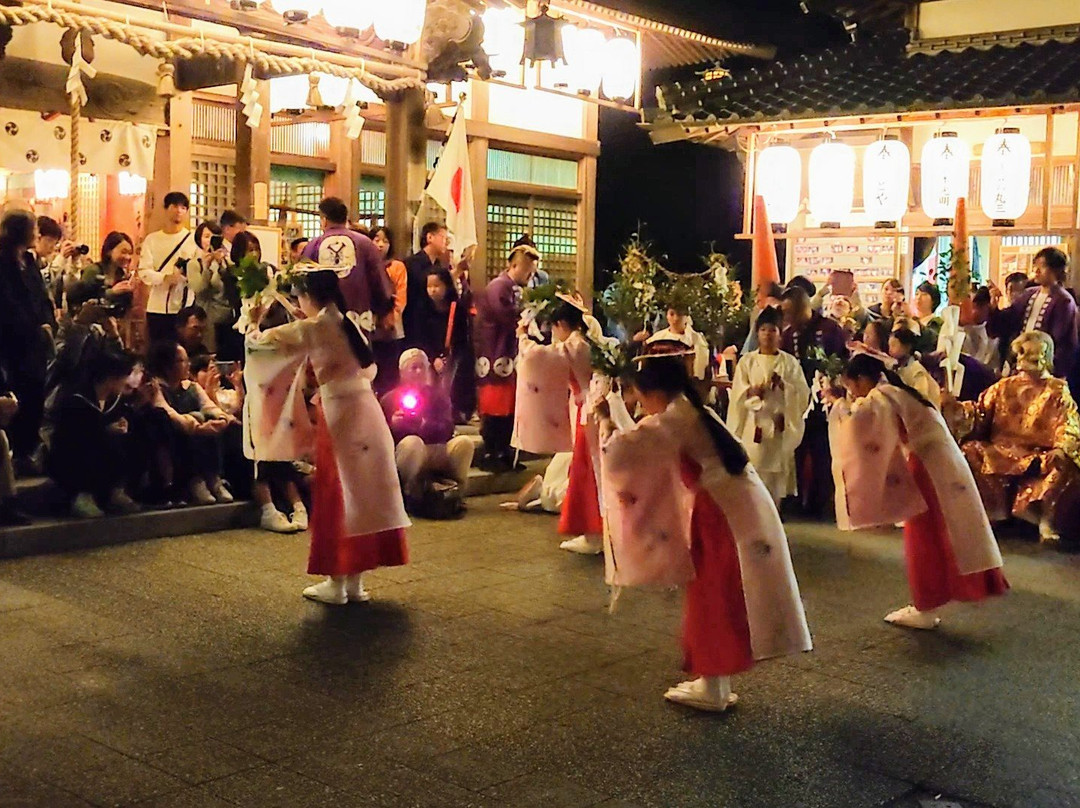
76	91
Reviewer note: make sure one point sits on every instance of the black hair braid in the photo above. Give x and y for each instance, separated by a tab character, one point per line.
864	366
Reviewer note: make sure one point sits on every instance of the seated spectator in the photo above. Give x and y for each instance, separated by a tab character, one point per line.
197	425
190	329
422	424
902	344
226	391
88	449
86	331
10	515
1022	441
927	302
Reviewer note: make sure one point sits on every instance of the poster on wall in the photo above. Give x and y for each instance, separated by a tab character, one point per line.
270	243
871	259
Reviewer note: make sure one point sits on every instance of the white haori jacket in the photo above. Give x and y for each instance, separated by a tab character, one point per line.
874	485
650	509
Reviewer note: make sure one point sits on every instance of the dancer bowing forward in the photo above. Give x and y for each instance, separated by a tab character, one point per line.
358	518
895	461
702	517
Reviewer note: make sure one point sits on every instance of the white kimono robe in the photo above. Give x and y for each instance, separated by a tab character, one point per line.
691	339
363	446
650	509
875	487
276	422
757	420
915	375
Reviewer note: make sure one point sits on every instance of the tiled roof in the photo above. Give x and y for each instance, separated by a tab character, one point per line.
878	75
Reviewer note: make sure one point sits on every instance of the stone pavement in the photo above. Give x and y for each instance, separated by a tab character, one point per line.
189	672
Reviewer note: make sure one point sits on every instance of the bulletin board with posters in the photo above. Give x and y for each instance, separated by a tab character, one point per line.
270	239
872	260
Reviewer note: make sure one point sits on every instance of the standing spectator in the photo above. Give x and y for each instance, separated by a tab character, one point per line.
26	337
296	250
232	225
390	335
88	453
433	253
541	277
446	342
10	515
498	309
210	282
364	283
110	274
927	302
892	295
163	266
1016	283
48	239
1046	307
190	329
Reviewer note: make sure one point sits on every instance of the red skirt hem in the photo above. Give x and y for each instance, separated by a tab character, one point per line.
580	515
933	575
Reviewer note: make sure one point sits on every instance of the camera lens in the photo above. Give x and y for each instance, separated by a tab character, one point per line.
82	249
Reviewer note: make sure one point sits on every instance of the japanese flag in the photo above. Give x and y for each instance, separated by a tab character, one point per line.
451	188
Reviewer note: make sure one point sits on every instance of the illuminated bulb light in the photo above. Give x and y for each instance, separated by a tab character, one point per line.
886	181
1006	176
779	182
584	49
131	184
297	11
946	172
400	21
621	68
832	182
51	183
288	92
352	16
410	401
504	39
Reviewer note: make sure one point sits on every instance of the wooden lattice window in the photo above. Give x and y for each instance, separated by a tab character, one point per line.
508	220
213	190
298	192
371	204
551	223
91	204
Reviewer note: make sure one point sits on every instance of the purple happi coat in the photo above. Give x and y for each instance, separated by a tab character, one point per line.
498	308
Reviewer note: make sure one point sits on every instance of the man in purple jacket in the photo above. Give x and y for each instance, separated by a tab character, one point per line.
366	288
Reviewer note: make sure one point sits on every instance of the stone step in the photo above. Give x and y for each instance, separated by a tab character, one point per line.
47	535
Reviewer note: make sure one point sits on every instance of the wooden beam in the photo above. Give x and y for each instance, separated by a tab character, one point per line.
528	189
915	232
1048	170
749	177
586	246
529	142
324	164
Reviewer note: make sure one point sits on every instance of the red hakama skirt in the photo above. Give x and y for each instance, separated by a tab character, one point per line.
716	631
580	515
332	552
933	576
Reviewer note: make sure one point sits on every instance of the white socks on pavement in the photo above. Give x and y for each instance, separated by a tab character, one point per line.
583	545
709	693
910	617
338	590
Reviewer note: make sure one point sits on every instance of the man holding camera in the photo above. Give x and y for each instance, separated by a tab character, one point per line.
422	423
163	267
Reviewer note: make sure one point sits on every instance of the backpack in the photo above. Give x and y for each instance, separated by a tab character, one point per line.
438	498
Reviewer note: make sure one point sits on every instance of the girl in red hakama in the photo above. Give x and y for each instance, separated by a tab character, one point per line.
895	460
701	517
358	517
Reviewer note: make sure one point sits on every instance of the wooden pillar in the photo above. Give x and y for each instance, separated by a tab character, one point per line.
484	266
406	163
1048	173
172	161
586	258
344	182
253	160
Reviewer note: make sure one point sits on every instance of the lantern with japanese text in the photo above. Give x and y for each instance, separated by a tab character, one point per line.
832	182
779	182
946	167
886	181
621	68
1006	176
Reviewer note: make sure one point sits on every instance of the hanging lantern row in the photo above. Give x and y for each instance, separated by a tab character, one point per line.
581	60
395	21
946	175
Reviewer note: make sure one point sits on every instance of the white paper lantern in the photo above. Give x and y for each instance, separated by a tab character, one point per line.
621	68
504	39
288	92
946	172
348	15
299	10
584	50
400	20
779	182
131	184
1006	176
886	180
51	183
832	182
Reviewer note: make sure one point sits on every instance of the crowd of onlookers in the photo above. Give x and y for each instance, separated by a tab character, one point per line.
121	369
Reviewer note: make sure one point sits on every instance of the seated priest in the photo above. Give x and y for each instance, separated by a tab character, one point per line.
422	422
1022	441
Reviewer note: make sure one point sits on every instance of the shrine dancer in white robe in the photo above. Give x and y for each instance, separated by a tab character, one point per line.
895	461
358	517
767	407
685	507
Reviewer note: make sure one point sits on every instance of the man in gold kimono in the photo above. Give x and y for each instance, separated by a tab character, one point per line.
1022	441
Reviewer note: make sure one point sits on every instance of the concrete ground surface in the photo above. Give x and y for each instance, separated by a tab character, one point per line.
189	672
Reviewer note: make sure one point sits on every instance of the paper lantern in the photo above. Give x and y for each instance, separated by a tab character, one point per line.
504	39
297	11
886	181
51	183
584	49
620	68
348	16
1006	176
399	21
832	182
946	168
288	92
779	182
131	184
